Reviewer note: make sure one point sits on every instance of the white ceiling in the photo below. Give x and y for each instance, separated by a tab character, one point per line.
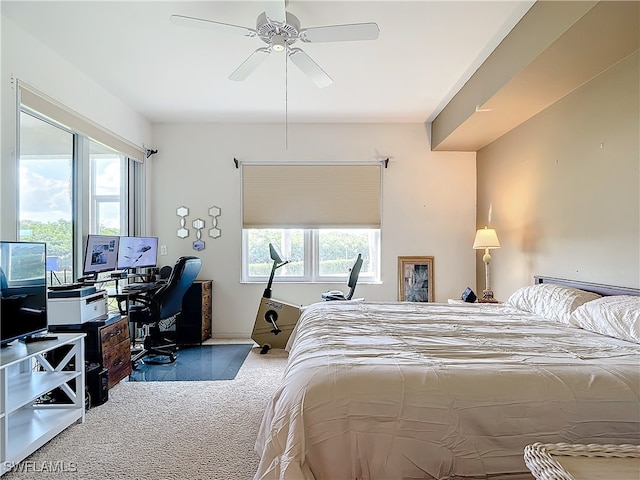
425	53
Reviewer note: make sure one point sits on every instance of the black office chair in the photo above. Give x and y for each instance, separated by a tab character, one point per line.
353	281
161	305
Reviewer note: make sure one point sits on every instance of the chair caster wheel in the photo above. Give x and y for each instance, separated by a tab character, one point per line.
265	349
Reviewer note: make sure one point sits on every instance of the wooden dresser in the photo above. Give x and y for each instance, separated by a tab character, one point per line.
194	325
107	343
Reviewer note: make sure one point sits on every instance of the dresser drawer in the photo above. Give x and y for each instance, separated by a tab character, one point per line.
206	328
117	361
114	334
206	299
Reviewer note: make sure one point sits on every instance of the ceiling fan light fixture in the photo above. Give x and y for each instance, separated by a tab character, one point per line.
277	43
280	30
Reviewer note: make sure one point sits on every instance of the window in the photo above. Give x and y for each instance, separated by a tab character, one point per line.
338	249
72	184
290	243
319	216
107	190
314	255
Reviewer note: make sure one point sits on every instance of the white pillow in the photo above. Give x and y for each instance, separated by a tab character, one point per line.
617	316
553	302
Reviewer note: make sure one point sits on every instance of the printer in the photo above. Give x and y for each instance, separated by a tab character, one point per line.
76	306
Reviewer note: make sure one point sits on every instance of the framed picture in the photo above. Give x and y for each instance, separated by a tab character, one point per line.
415	279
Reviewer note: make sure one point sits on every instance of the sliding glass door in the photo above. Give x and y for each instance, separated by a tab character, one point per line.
45	186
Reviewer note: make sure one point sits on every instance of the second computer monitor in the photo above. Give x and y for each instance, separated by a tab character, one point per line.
134	252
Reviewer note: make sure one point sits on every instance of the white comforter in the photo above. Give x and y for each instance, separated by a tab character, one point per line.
408	390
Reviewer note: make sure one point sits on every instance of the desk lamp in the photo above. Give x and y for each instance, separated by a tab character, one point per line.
486	238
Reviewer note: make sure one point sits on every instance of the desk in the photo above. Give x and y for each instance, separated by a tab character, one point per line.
129	276
123	294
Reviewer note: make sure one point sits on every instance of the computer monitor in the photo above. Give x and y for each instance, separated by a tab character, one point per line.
137	252
101	254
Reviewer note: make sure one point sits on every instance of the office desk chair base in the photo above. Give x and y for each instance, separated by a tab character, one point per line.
152	357
159	358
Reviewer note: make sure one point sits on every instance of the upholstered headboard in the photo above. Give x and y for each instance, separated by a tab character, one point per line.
600	289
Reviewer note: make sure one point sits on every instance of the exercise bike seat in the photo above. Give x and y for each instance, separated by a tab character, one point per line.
333	295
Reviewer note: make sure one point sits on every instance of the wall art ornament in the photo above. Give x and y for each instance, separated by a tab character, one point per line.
198	224
214	212
182	213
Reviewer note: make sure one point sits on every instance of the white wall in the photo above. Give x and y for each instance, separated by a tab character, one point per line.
28	60
428	203
564	188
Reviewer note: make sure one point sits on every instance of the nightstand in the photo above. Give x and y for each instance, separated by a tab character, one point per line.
458	301
563	461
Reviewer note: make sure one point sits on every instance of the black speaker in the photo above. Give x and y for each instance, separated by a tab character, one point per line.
468	295
97	379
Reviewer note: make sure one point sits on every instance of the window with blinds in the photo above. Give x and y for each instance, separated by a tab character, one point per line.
319	216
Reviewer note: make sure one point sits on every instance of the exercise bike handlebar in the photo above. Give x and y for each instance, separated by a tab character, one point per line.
276	265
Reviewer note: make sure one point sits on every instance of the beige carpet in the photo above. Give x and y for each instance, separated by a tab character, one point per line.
166	430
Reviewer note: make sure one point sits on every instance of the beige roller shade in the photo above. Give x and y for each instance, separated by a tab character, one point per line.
76	122
311	196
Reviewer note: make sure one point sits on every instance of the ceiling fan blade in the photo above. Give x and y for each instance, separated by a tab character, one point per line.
250	64
185	21
275	10
310	68
340	33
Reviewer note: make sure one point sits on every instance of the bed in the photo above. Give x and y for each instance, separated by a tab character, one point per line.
393	390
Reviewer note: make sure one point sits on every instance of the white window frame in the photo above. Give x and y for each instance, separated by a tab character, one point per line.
121	198
132	199
312	261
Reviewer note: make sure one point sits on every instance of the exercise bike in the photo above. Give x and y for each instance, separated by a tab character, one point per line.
275	319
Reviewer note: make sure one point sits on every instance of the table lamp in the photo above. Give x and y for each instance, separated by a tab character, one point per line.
486	238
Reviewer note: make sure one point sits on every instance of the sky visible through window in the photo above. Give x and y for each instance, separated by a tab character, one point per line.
45	189
46	183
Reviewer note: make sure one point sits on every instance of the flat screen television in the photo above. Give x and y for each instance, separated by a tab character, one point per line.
101	254
137	252
23	290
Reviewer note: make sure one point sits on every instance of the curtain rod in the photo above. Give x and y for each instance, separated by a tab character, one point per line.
384	161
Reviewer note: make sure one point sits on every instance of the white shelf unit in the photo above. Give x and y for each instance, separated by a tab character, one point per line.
26	375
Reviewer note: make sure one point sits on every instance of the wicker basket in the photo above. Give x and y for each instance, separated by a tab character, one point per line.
539	460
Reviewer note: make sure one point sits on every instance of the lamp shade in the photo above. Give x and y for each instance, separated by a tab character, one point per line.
486	238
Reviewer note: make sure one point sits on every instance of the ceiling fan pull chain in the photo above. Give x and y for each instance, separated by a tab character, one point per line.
286	102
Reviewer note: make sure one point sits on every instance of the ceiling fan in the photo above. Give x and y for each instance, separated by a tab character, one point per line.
280	30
